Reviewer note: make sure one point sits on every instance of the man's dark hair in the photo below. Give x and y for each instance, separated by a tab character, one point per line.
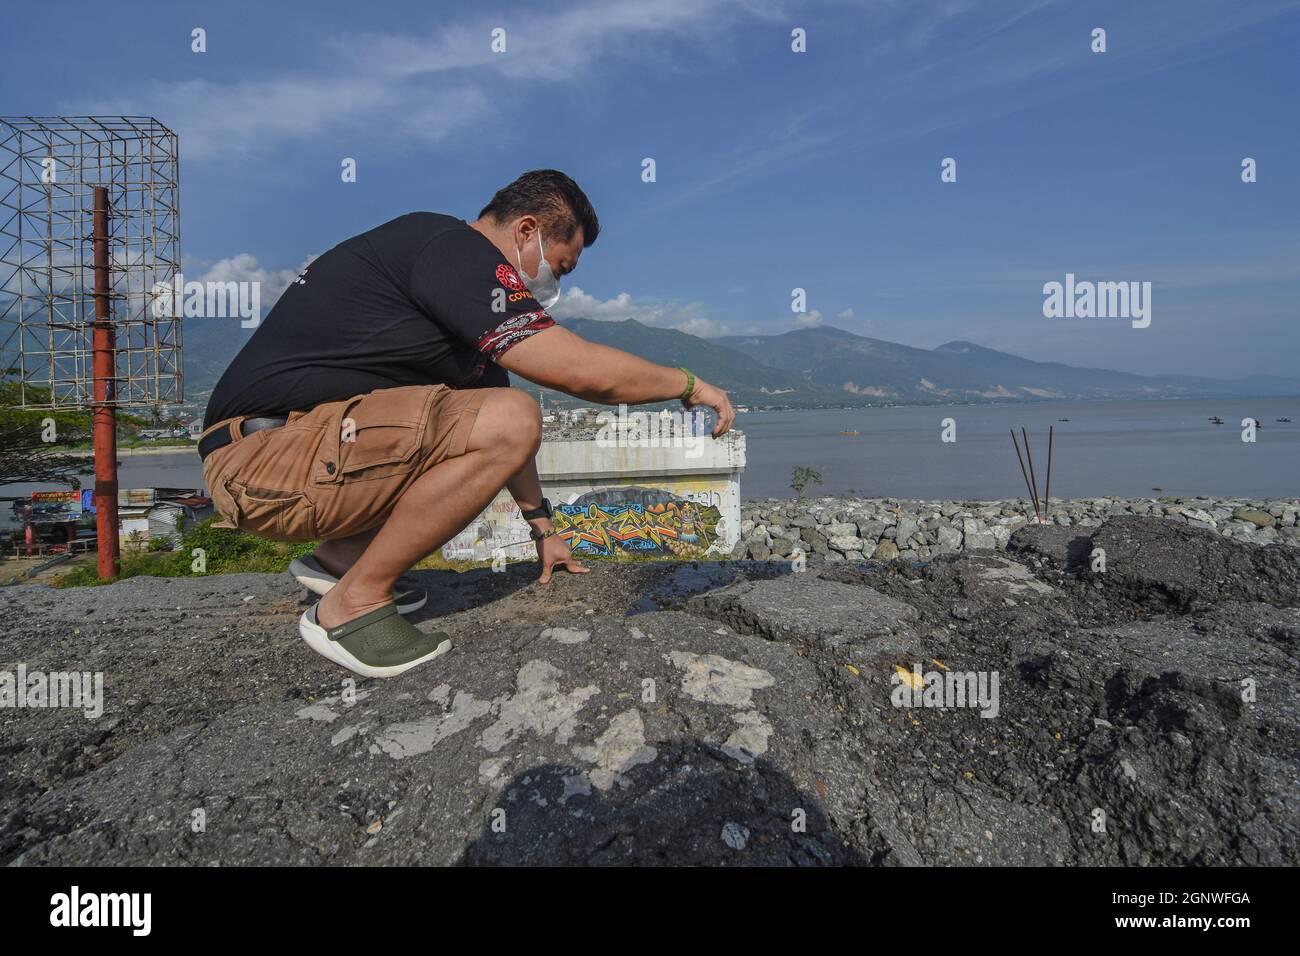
553	198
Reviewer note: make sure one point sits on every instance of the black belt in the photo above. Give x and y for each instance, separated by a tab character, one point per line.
221	437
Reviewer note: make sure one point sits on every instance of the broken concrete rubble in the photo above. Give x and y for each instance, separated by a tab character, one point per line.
724	713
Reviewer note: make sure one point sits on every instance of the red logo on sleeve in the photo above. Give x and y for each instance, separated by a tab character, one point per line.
509	278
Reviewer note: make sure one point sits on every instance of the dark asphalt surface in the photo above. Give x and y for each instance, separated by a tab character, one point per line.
729	713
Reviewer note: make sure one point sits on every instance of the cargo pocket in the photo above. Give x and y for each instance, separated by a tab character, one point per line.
381	435
224	504
381	449
279	515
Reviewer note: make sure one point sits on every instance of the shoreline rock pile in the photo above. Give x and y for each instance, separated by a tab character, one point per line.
834	528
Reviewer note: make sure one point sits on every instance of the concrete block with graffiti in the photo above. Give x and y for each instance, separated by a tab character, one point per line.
614	502
641	521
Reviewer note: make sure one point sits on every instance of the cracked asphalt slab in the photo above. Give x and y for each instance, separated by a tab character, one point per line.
731	713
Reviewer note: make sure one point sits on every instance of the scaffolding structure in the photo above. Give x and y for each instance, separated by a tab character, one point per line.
49	168
89	255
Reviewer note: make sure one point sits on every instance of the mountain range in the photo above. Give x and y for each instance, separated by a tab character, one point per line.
824	366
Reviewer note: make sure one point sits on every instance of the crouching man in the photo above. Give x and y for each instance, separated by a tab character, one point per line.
371	410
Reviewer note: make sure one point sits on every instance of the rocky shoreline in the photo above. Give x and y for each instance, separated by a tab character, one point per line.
840	528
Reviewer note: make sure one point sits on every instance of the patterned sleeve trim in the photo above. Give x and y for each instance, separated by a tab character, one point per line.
496	342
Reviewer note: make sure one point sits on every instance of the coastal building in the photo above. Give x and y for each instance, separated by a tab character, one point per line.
60	521
575	416
170	517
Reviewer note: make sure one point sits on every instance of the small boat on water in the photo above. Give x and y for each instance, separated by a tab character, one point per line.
1217	420
1062	419
1283	419
854	432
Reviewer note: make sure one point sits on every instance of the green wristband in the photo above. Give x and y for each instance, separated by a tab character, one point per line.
690	382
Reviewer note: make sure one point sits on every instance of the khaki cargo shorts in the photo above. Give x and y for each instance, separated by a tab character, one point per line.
339	468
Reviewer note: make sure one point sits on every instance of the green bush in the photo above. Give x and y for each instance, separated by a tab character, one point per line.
134	564
802	477
227	552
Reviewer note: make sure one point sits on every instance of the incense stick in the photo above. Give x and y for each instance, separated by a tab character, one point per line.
1047	496
1033	479
1023	472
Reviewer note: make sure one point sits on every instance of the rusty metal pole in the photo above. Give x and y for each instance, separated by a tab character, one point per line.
105	412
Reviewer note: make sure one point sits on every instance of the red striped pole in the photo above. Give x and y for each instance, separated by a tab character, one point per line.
105	413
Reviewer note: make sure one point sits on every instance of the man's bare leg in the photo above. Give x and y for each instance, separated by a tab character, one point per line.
339	554
506	433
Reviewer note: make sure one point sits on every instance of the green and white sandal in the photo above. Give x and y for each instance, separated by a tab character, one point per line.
308	572
378	644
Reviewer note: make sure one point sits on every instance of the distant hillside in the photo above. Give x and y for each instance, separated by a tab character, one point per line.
877	371
819	366
746	381
210	345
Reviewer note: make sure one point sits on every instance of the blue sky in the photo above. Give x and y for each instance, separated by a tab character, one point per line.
775	170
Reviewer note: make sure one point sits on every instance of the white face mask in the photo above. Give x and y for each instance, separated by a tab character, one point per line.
544	286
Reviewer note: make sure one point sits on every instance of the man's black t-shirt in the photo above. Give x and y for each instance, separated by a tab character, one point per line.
421	300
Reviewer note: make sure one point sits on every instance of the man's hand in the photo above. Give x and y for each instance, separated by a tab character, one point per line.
710	396
554	552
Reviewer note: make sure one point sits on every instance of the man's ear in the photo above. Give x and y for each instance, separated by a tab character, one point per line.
525	229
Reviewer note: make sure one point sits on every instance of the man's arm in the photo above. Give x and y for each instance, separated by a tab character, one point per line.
526	488
559	359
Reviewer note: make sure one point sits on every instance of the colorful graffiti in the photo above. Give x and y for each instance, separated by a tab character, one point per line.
684	518
637	520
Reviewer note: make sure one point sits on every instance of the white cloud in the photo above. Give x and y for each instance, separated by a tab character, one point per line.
244	267
248	117
421	89
808	320
553	45
685	317
705	328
